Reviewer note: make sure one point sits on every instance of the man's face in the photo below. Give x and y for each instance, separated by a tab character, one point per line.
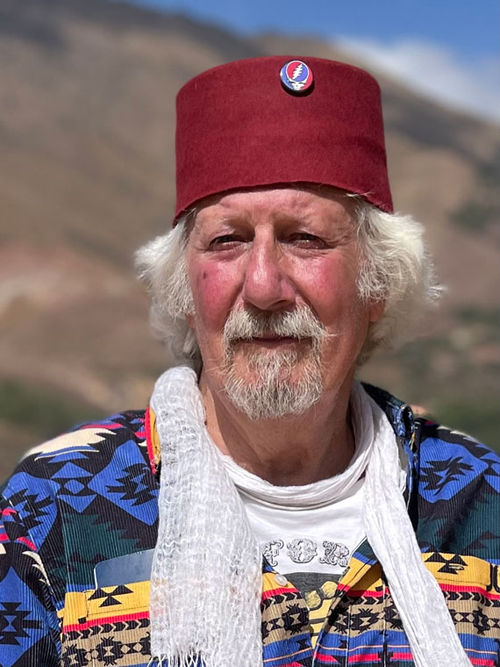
277	314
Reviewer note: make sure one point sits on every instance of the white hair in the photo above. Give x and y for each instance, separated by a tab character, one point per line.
395	269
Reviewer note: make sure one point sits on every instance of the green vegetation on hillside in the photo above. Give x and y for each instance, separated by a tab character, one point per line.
41	412
482	212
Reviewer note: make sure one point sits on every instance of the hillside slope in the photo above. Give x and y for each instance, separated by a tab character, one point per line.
87	93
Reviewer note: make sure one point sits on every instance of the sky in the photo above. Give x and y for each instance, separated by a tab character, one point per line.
448	49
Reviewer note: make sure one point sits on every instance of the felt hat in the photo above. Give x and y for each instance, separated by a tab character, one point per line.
280	120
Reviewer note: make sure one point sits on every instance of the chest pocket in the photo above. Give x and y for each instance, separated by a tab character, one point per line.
107	626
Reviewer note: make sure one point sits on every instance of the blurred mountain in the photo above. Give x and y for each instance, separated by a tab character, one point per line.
87	92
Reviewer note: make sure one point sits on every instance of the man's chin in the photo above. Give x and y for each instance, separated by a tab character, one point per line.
265	365
258	353
276	399
253	379
272	385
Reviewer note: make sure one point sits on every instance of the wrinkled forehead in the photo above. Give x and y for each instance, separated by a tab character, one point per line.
300	202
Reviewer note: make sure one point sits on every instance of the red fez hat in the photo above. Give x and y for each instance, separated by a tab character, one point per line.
280	120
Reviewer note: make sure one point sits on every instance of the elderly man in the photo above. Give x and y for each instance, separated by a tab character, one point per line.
266	509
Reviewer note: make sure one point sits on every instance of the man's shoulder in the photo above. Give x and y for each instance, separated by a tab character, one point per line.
436	444
91	489
95	444
427	433
453	462
442	442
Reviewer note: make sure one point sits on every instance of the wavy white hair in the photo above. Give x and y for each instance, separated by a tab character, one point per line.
395	268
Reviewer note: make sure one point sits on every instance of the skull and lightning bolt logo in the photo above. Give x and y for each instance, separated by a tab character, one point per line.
296	76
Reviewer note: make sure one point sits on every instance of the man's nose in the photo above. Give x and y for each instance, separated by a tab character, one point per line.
267	285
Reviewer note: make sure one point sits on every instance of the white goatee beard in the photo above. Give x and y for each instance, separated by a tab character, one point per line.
273	392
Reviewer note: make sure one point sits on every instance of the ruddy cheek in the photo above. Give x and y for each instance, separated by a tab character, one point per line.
213	290
320	283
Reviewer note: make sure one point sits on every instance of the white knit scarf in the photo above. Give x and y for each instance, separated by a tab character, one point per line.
206	577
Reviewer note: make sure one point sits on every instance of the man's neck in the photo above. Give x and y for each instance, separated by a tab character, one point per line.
292	450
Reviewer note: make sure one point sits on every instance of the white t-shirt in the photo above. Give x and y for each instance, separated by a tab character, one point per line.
308	528
307	533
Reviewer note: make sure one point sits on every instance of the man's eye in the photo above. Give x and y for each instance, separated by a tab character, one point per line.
305	240
224	241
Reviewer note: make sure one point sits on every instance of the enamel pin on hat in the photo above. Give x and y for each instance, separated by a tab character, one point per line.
296	76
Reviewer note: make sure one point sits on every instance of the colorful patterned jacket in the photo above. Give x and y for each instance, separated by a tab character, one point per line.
80	520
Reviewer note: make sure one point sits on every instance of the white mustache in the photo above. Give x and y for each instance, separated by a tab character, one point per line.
298	323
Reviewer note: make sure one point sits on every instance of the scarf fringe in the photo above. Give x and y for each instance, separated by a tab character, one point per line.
177	661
